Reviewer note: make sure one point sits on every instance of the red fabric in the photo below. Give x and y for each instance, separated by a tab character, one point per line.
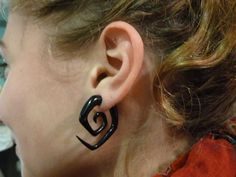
208	158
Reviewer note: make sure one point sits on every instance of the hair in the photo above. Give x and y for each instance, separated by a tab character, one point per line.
193	40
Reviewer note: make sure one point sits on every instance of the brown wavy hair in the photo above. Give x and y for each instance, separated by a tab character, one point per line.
193	40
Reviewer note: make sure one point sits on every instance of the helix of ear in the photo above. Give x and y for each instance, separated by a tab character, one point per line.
88	107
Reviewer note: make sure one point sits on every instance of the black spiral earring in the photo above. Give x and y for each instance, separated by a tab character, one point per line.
88	107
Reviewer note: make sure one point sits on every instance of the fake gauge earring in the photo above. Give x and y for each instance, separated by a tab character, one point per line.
88	107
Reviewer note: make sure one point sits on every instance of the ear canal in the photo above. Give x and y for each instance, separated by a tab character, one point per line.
100	75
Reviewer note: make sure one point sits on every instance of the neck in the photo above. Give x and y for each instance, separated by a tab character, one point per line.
151	149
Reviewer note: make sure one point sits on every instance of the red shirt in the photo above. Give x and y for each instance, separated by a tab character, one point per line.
210	157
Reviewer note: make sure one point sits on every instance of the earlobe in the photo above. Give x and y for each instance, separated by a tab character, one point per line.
124	58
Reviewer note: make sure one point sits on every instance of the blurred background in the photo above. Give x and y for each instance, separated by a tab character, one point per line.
9	163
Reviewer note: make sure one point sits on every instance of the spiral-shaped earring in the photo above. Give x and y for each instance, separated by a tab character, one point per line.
88	107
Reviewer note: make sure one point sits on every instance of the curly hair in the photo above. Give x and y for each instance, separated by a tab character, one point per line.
193	40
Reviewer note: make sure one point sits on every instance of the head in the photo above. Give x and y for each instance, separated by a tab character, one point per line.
165	65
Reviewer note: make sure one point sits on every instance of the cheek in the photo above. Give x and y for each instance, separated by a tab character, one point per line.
35	109
12	100
17	106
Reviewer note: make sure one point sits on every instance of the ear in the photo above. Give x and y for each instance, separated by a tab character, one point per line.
122	64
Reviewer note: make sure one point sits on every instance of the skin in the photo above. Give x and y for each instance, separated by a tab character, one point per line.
44	94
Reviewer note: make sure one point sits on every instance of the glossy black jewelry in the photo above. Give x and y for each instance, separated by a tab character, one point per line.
88	107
